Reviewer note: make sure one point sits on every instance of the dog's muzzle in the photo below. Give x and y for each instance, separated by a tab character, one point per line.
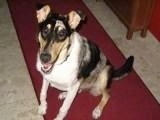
45	61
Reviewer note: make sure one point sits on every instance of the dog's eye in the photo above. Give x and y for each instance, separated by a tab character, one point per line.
45	31
62	34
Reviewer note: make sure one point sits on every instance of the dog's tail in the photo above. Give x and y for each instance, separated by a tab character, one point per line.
124	69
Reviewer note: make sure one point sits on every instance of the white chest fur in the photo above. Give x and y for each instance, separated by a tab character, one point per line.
64	75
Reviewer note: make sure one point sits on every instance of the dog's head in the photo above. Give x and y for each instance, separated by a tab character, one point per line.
54	32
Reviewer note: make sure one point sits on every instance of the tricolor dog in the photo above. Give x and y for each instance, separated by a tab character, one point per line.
71	63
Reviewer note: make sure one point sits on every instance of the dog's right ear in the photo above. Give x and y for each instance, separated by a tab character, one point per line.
42	12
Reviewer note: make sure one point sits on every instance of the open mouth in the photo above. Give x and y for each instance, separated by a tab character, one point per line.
47	67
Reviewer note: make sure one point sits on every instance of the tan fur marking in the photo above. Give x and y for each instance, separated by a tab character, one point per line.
57	48
41	42
104	99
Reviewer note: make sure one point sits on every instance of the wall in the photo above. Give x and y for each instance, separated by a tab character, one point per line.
155	20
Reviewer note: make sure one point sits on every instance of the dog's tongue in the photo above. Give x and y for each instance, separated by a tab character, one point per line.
47	65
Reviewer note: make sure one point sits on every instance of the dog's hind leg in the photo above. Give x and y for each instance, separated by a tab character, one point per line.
98	110
100	88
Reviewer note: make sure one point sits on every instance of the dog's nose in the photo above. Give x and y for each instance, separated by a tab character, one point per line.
45	57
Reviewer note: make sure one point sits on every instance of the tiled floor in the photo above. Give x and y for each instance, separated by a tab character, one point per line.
17	97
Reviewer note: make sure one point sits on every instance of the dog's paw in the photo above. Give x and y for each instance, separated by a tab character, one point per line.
62	95
42	109
96	113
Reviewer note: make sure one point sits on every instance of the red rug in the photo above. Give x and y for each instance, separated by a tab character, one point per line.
130	99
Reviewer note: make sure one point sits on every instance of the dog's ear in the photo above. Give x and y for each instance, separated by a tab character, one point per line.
74	18
42	13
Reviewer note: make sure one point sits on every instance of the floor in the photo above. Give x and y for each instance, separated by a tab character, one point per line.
17	97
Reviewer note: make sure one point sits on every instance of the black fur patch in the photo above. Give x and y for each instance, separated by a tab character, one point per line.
52	34
90	65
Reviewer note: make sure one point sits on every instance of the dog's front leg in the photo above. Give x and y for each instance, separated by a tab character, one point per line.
43	95
68	101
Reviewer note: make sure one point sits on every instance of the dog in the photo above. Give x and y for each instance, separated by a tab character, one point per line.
71	63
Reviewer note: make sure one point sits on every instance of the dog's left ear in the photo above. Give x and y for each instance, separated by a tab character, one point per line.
74	18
